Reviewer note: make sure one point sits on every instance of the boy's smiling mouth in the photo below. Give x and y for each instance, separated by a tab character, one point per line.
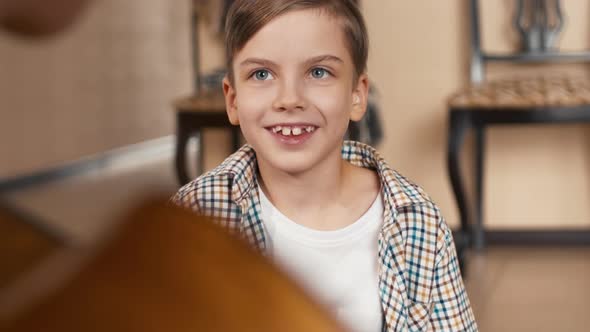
292	134
292	130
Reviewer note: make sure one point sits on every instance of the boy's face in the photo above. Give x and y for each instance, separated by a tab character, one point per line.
293	93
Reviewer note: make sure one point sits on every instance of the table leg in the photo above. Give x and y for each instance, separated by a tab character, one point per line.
182	137
354	133
199	136
478	229
458	124
235	138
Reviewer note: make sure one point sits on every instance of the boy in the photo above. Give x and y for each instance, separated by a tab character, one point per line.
368	243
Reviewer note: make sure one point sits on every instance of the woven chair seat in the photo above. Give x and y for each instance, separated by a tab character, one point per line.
205	102
524	93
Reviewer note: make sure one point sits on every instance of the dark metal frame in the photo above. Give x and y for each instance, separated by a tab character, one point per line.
190	124
543	55
463	119
539	238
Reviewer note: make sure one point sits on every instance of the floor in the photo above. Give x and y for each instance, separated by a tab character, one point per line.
531	289
510	288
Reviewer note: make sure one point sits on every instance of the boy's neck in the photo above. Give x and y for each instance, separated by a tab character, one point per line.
318	187
330	196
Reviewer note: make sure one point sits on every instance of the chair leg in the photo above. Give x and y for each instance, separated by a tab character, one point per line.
182	137
478	229
461	248
354	131
459	123
235	138
198	135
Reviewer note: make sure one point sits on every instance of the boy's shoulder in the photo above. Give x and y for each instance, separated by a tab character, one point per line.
218	187
400	190
412	203
407	192
414	211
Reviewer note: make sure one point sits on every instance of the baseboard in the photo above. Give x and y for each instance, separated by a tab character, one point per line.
579	237
125	155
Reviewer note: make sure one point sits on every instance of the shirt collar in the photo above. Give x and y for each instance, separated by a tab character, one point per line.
242	168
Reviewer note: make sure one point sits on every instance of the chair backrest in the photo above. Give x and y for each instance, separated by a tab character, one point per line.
539	23
195	49
202	81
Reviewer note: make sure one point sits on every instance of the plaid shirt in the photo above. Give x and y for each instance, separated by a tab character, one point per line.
419	279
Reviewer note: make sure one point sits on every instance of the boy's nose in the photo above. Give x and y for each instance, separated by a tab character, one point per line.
289	97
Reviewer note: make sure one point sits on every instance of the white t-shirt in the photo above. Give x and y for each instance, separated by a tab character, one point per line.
338	268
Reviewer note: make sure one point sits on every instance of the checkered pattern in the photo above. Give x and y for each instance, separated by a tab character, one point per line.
419	278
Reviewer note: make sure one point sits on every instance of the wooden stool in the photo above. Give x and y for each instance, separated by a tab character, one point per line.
194	113
24	241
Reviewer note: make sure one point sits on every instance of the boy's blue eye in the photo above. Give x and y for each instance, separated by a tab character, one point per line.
319	73
262	75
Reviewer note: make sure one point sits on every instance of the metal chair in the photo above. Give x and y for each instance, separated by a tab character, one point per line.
515	101
202	109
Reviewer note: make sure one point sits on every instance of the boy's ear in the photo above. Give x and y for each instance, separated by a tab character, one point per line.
230	101
360	95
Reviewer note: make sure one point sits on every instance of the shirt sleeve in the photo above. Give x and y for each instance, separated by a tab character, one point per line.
186	198
451	310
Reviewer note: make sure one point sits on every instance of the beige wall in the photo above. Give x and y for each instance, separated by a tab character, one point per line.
105	83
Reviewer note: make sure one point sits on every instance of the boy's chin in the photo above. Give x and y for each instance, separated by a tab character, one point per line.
290	163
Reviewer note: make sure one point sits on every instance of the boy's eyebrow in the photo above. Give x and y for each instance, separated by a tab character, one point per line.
257	61
268	63
321	58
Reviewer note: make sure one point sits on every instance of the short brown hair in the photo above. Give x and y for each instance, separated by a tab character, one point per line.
246	17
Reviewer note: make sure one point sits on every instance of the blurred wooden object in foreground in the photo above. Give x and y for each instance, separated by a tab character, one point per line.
39	18
169	270
22	245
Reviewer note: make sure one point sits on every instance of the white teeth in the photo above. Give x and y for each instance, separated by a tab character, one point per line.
288	131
